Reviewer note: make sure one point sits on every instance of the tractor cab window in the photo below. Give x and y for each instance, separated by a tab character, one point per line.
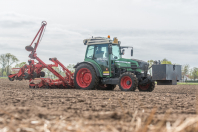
90	51
101	55
115	52
101	51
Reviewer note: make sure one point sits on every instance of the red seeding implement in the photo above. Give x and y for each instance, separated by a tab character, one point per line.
33	72
103	68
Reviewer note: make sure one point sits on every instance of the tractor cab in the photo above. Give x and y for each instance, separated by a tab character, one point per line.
105	53
104	67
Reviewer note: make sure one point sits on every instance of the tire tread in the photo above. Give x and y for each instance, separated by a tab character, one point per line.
134	79
95	77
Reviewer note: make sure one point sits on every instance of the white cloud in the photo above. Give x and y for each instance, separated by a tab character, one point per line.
156	29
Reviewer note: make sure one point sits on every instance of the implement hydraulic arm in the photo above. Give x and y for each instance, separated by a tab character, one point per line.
32	71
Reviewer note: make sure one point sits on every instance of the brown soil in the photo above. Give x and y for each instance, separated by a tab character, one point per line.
25	109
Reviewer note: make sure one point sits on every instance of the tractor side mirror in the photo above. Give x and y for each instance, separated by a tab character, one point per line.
132	52
122	53
110	49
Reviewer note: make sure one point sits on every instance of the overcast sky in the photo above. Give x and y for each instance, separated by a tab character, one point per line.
156	29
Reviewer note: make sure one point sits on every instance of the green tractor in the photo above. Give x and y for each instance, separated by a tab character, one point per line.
103	68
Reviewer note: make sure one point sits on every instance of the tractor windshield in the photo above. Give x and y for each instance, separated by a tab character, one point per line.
115	52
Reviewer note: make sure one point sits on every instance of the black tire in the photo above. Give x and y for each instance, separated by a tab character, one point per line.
11	79
26	76
47	86
128	82
107	87
31	86
42	74
148	87
35	75
85	77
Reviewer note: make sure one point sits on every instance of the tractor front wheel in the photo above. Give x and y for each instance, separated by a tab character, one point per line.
127	82
148	87
85	77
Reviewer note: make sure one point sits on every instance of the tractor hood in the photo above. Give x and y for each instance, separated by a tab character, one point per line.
141	65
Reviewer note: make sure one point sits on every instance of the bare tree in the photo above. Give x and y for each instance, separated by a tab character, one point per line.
194	73
11	59
47	72
57	69
20	65
3	62
185	70
165	61
150	64
71	67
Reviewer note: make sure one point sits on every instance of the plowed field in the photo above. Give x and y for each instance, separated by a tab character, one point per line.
24	109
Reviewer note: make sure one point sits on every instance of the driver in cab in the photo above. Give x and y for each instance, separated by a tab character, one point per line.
99	53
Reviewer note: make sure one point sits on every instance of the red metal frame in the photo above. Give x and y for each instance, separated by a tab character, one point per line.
33	72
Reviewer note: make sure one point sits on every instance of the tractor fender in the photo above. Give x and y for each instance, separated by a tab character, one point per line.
94	66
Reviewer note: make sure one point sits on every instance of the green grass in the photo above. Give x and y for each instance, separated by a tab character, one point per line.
4	77
183	83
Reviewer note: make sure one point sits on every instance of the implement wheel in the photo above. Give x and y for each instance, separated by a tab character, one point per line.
11	79
127	82
42	74
31	86
85	77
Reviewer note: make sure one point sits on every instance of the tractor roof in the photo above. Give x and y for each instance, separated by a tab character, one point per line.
100	40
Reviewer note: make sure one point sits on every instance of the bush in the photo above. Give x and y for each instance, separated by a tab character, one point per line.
191	81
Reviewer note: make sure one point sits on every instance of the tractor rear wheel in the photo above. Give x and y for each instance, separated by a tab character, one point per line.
148	87
128	82
85	77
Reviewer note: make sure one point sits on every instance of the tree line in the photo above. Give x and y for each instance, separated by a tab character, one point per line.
191	73
6	60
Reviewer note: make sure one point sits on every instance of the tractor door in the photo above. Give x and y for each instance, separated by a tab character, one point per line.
101	57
